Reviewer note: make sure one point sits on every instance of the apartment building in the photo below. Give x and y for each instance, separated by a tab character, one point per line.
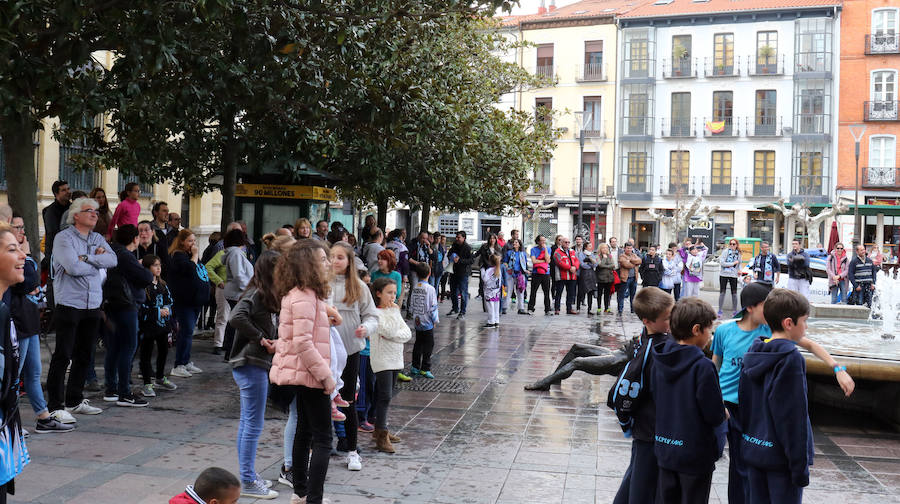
730	100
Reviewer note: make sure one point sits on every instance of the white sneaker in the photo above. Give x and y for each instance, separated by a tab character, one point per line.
354	463
85	408
192	368
63	416
181	372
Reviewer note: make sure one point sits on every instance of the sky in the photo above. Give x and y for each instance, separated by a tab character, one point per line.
531	6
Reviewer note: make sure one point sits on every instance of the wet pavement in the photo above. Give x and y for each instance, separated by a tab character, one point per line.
471	435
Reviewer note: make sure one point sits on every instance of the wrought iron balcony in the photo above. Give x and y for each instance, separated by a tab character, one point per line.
678	187
771	65
880	111
768	126
887	43
684	68
712	70
715	186
880	177
725	127
762	187
593	72
678	127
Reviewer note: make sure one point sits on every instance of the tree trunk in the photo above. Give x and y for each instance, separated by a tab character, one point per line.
22	190
426	216
229	171
382	205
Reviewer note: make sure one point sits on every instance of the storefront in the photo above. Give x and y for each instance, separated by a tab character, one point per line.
593	223
267	207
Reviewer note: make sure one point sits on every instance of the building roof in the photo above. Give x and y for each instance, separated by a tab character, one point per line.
667	8
585	9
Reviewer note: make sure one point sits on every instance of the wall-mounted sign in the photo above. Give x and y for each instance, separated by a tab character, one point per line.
702	230
285	192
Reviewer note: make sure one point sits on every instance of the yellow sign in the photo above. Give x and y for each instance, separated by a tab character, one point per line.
285	192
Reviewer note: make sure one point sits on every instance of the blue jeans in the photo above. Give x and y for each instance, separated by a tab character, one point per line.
839	292
290	428
187	319
625	289
30	362
253	383
460	287
120	348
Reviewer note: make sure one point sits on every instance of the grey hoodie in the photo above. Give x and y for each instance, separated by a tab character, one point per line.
363	311
238	270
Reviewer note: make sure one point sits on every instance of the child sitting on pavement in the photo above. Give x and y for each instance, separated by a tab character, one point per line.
214	486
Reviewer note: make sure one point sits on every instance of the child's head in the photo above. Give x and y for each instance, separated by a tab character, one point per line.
653	306
753	296
494	260
217	486
304	266
152	263
365	276
651	250
387	261
691	321
670	253
694	250
264	279
384	290
341	256
786	311
423	271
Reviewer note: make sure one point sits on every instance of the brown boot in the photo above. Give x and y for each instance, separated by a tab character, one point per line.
382	442
394	438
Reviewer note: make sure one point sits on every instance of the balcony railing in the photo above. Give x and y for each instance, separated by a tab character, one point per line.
679	187
684	68
763	187
589	188
809	187
881	177
812	62
880	111
597	129
593	72
764	127
721	128
637	126
716	186
711	70
773	65
546	71
537	187
678	127
888	43
813	124
638	183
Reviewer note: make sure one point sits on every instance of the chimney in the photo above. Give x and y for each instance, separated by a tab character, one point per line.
552	5
542	9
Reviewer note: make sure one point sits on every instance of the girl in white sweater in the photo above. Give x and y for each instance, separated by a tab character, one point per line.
386	356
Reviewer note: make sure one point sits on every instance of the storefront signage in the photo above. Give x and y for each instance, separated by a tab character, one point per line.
285	192
702	230
883	201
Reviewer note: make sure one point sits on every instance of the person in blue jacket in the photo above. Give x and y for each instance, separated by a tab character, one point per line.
777	443
686	389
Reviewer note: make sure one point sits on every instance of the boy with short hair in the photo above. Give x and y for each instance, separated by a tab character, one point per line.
424	308
653	306
686	390
777	441
214	486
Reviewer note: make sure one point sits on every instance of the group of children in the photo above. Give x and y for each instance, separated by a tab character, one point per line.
752	393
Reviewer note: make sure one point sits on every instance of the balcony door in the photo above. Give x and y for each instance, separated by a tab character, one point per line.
593	60
723	109
765	112
882	160
884	94
884	23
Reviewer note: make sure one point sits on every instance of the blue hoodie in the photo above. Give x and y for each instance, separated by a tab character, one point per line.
777	433
690	427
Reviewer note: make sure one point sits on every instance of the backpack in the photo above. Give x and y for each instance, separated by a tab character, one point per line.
626	393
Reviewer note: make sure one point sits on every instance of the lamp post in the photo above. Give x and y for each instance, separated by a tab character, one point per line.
582	118
857	130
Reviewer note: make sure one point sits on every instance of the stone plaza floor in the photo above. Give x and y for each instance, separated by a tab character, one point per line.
472	435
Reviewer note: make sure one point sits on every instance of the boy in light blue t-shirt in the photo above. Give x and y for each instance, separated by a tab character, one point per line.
730	342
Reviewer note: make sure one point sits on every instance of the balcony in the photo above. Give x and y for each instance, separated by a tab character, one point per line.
595	72
772	65
637	128
539	187
764	127
769	188
589	188
712	71
545	71
721	128
813	124
812	65
875	177
597	129
883	44
880	111
683	68
810	188
708	186
677	187
678	128
636	185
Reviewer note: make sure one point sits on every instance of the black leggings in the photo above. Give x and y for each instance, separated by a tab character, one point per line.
443	293
161	340
422	349
348	393
724	282
313	432
582	294
542	281
384	387
604	291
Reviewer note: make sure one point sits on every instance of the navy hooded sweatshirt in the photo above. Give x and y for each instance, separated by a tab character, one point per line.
690	415
644	426
777	433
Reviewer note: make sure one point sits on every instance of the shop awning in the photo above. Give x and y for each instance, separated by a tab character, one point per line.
863	209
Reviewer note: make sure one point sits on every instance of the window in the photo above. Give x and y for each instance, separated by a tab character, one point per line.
884	85
812	110
884	37
882	161
723	53
765	123
720	173
543	110
545	60
764	173
146	189
593	60
723	108
813	45
681	114
636	178
590	173
809	173
679	172
681	55
767	52
639	57
542	179
637	114
593	118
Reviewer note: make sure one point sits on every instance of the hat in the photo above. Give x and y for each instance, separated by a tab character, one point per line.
751	295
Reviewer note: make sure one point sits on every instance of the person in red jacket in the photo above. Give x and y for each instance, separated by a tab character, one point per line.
214	486
566	268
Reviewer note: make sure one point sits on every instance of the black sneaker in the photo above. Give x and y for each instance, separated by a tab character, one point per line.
52	426
110	396
131	401
286	477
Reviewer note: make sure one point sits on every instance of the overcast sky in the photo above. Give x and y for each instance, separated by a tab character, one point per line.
531	6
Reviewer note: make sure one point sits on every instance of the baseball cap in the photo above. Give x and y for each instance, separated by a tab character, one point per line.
751	295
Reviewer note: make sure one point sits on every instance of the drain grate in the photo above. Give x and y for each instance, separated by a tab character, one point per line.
437	385
452	370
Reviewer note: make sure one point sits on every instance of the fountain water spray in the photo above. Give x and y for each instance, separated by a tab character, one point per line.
886	305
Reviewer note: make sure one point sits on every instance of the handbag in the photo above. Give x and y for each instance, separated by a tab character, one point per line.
616	281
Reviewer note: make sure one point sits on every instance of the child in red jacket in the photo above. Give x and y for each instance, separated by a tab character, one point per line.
214	486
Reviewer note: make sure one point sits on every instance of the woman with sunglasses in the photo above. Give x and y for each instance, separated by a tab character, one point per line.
730	260
837	269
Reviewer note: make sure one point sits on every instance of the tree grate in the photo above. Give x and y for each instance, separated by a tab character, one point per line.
437	385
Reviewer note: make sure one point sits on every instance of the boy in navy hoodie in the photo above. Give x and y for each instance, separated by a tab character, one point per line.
777	440
690	435
653	306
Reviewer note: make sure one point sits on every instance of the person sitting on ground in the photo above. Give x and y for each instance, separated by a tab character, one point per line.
214	486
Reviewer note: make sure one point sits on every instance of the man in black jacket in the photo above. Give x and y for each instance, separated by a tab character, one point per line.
651	268
460	255
52	214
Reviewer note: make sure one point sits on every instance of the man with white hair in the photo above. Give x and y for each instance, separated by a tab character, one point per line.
80	258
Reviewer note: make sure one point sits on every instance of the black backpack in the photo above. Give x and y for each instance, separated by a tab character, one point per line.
626	393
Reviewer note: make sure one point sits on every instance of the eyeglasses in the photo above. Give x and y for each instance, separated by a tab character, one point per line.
839	248
89	211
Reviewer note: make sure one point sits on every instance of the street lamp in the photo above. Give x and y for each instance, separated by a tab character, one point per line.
582	120
857	130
